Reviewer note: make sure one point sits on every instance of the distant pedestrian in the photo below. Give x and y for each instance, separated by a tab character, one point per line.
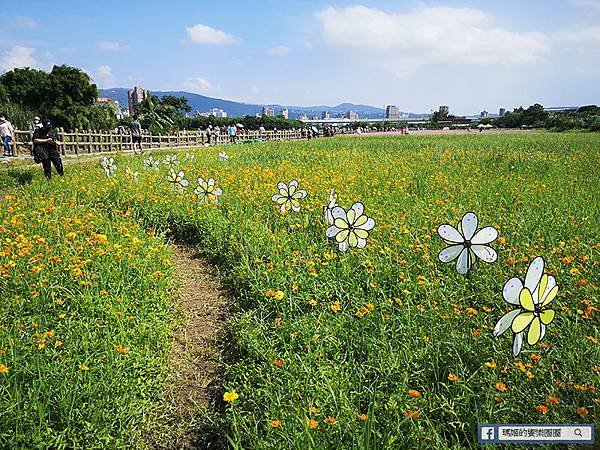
45	149
136	134
37	123
7	133
232	132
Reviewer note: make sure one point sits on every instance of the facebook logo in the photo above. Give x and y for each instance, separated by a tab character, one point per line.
487	434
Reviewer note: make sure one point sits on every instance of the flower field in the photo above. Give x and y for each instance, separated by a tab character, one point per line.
347	331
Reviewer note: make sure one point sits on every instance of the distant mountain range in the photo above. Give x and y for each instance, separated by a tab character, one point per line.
201	103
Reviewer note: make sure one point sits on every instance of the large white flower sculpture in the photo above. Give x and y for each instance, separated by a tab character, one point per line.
350	228
328	208
467	243
171	161
130	174
109	166
223	156
533	300
289	196
151	164
207	192
177	179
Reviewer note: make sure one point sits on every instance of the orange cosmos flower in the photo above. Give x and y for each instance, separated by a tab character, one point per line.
542	408
453	377
278	363
275	423
500	386
312	424
414	393
330	420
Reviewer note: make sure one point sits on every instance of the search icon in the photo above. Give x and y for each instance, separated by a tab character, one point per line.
577	432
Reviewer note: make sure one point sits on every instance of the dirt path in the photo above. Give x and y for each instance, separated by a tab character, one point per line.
195	356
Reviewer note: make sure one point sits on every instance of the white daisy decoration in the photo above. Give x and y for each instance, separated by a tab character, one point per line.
350	228
109	166
151	164
289	196
207	192
328	208
532	298
131	175
187	158
177	179
171	161
223	156
467	243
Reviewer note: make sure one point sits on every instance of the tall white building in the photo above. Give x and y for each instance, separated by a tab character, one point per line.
351	115
217	112
268	112
134	97
325	115
285	113
392	112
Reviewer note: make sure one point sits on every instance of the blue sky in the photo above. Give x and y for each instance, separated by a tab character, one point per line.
471	55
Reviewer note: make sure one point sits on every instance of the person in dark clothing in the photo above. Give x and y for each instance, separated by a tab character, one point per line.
136	134
45	147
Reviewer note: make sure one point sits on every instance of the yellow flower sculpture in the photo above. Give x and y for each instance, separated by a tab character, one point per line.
533	298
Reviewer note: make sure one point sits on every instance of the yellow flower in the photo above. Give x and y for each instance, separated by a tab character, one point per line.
336	306
279	295
230	396
313	410
121	349
312	302
4	368
330	420
312	424
83	367
490	365
453	377
363	417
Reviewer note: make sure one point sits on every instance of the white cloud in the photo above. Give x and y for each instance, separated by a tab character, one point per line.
280	50
103	75
18	56
104	71
112	46
405	43
588	37
21	22
591	4
200	85
203	34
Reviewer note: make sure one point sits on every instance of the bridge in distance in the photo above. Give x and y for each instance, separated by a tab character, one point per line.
348	121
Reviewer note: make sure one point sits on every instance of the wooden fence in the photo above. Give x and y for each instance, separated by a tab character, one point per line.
84	142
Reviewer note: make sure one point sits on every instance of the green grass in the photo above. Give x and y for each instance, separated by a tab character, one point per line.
420	320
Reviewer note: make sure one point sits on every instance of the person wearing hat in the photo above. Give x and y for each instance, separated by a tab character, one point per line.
37	123
45	149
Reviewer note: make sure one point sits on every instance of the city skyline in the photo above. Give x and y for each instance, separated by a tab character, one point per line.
472	55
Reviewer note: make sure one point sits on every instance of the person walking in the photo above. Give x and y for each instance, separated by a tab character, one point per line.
45	149
7	133
136	134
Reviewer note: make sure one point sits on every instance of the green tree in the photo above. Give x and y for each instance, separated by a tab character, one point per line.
179	103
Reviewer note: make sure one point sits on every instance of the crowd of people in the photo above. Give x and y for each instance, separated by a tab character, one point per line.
45	140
